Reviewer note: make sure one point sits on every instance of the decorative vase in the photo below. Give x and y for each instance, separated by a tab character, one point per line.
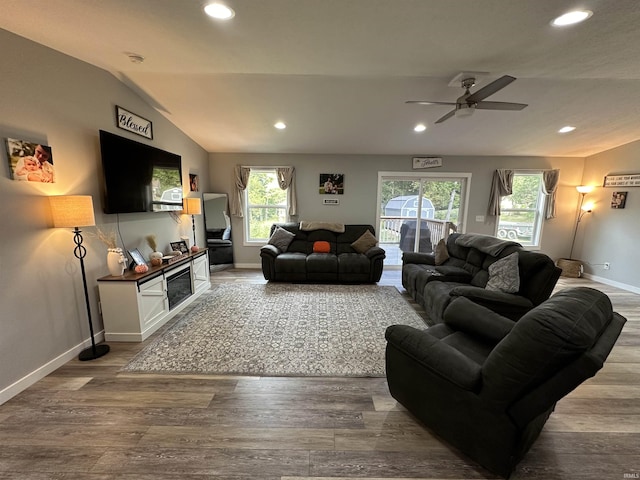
156	258
116	262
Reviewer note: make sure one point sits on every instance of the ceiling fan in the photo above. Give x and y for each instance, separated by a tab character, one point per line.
469	102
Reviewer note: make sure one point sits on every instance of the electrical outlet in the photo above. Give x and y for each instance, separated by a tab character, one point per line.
607	265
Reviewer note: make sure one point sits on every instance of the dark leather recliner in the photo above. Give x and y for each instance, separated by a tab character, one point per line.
487	384
220	246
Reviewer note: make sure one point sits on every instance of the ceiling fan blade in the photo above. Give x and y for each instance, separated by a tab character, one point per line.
490	89
447	116
427	102
500	106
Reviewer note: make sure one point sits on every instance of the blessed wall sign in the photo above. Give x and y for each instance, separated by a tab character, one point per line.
133	123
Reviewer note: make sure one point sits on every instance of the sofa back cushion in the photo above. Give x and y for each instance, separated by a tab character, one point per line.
350	235
542	342
339	242
474	261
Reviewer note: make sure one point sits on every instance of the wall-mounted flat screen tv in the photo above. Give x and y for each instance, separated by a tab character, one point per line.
138	177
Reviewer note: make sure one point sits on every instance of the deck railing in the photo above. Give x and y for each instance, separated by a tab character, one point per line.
389	231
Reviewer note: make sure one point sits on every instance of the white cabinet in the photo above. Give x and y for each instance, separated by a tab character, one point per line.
153	303
200	273
136	305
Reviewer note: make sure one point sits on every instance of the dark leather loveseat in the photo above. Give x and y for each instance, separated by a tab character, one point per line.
487	384
342	264
466	273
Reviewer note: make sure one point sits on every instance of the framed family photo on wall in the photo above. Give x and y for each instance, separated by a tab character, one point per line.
30	161
618	199
331	184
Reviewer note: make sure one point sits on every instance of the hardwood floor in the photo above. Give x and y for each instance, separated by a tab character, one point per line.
88	421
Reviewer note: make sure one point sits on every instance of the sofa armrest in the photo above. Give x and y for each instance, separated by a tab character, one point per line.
435	356
418	257
469	317
269	251
374	252
510	305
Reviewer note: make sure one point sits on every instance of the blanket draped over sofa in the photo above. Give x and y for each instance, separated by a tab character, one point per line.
299	261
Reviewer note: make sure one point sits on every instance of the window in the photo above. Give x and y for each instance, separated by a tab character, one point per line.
522	212
265	204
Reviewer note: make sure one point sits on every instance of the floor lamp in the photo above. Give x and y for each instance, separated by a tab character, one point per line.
192	207
73	211
583	190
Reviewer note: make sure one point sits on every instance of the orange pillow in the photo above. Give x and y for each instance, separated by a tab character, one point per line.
321	247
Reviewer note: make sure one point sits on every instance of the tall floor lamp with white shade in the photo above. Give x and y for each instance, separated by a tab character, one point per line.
570	266
73	211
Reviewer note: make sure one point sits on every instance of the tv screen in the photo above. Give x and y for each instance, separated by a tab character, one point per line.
138	177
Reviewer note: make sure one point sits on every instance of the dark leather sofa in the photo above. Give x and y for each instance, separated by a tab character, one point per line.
486	384
341	265
465	273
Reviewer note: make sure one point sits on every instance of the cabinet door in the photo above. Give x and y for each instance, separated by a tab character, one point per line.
153	301
200	272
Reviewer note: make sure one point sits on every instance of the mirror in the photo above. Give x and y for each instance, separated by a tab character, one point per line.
218	226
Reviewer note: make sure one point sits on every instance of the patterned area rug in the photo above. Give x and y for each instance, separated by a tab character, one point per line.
281	330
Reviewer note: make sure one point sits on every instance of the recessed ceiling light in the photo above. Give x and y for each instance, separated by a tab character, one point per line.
571	18
567	129
219	11
280	125
419	128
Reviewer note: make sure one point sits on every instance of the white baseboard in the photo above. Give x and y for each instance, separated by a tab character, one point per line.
613	283
25	382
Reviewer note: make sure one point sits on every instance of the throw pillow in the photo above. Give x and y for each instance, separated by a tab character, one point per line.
442	254
366	241
281	239
321	247
504	275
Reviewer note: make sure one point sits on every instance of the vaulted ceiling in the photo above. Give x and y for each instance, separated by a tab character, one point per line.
338	72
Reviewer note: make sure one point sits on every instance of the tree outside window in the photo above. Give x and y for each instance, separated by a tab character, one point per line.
265	204
521	214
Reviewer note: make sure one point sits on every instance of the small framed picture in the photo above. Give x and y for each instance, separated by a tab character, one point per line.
29	161
618	199
137	257
193	183
331	184
180	246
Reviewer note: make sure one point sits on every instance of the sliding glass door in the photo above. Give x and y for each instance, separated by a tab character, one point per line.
416	210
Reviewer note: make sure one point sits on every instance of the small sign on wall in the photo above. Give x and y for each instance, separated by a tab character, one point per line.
133	123
330	201
630	180
426	162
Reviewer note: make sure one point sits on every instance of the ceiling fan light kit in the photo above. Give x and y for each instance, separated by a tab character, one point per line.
466	104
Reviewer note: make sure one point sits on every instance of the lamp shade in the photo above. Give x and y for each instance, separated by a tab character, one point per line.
192	206
584	188
72	211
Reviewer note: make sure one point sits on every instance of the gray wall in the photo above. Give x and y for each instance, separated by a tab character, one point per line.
358	204
608	234
51	98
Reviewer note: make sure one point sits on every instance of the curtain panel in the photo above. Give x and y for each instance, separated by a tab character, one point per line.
501	186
